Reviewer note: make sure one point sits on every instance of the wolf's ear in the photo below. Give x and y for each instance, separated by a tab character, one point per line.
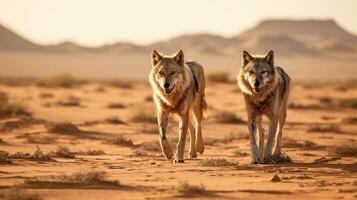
246	58
155	57
270	57
179	58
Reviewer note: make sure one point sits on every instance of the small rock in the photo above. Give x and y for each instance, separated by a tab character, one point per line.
276	178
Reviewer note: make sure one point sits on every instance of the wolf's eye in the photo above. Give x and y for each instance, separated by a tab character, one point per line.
161	73
172	73
251	72
264	72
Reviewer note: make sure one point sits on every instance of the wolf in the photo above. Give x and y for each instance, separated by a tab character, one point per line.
179	89
266	90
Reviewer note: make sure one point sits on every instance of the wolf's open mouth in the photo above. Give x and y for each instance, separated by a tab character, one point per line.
256	90
168	91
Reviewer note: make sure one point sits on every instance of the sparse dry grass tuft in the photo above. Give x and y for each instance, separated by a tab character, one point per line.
139	153
69	101
187	190
121	141
124	84
348	103
153	145
298	106
217	162
64	152
75	179
11	109
92	152
116	106
38	155
227	117
19	194
290	143
332	128
141	112
64	127
41	140
346	150
218	76
350	120
4	157
114	120
59	80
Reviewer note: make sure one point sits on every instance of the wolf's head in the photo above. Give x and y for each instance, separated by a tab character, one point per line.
257	71
168	71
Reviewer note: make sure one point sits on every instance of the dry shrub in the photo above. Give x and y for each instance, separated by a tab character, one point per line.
116	106
139	153
227	117
114	120
63	127
46	95
19	194
22	122
41	140
11	109
332	128
4	157
186	189
153	145
59	80
78	178
141	112
218	77
350	120
348	103
346	150
121	141
38	155
92	152
64	152
240	154
217	162
124	84
290	143
69	101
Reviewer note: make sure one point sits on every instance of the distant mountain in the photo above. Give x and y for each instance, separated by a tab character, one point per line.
286	37
11	41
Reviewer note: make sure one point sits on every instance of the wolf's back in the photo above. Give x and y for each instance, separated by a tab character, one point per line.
198	74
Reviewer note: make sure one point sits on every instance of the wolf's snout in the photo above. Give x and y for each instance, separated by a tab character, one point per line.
256	84
166	85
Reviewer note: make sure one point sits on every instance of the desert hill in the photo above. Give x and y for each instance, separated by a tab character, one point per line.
303	45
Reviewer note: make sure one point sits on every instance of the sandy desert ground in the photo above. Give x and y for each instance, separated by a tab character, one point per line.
100	141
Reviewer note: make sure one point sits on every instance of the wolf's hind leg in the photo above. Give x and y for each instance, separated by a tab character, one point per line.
253	143
184	121
162	119
277	150
199	140
192	152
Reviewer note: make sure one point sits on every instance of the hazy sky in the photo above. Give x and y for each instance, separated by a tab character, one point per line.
95	22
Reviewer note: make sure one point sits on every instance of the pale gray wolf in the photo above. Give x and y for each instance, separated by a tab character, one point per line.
266	89
179	89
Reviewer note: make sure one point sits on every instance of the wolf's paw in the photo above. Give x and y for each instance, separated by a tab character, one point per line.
178	160
166	149
200	147
192	155
267	160
255	161
281	158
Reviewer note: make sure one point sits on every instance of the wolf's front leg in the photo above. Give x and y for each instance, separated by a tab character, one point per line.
184	121
162	118
253	143
192	152
271	137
